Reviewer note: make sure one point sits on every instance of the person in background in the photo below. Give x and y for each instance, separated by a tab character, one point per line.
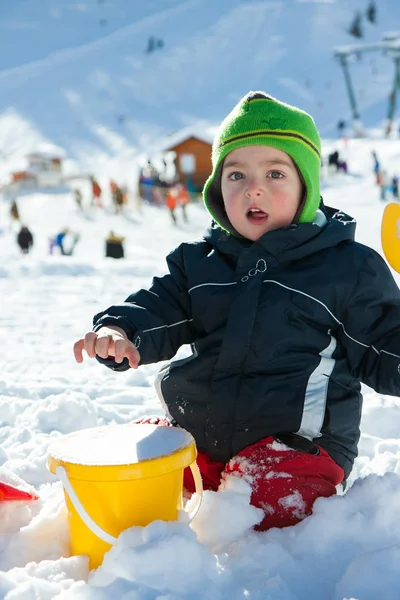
395	187
78	198
286	314
96	192
377	167
182	199
148	181
333	160
14	212
383	184
171	202
119	200
342	166
59	240
25	239
65	241
113	190
114	246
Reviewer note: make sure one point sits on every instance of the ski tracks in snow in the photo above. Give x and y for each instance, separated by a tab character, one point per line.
16	76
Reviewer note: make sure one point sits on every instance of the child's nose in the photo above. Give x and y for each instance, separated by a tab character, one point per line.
254	187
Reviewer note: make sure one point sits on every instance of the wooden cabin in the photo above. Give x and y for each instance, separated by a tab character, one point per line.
192	150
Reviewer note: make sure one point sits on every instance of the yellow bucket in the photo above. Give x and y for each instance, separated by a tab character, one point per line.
119	476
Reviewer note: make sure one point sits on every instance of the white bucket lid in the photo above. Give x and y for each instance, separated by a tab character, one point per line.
119	444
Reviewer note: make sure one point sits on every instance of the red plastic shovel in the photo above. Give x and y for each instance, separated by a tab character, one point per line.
9	492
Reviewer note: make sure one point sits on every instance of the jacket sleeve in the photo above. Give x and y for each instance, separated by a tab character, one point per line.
158	320
370	330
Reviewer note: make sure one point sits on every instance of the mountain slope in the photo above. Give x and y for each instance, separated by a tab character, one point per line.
94	91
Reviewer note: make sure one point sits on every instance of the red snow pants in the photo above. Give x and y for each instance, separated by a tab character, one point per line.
285	483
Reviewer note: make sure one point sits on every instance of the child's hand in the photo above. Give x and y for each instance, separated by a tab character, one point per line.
107	341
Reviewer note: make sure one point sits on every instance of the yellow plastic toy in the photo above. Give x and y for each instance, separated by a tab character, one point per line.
119	476
390	235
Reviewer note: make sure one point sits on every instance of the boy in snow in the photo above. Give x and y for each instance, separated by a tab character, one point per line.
285	312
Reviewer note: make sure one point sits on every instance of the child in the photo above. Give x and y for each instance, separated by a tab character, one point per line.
285	312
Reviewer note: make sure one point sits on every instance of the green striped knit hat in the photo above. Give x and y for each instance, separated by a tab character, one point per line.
259	119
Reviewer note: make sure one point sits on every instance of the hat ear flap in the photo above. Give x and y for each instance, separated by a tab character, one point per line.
303	195
214	202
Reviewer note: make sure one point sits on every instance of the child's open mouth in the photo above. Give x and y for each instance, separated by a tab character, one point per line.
256	216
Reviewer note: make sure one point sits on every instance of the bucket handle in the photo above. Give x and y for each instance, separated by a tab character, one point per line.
96	529
87	519
198	482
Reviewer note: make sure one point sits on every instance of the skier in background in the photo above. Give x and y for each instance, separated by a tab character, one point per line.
286	313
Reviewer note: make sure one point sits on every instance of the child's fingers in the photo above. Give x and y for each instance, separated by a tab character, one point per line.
120	349
78	347
125	348
103	346
133	357
107	345
87	343
90	344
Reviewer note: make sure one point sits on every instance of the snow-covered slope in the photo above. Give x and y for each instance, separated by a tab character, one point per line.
77	74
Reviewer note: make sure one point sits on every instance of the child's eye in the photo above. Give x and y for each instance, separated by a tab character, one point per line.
275	175
235	176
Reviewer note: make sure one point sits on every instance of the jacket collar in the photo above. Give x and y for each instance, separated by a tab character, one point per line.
292	242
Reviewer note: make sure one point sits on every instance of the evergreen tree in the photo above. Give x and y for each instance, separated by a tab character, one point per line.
370	13
355	28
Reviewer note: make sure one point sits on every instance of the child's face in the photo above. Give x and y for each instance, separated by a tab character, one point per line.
261	188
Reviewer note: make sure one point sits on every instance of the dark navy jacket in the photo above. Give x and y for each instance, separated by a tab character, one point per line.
283	331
